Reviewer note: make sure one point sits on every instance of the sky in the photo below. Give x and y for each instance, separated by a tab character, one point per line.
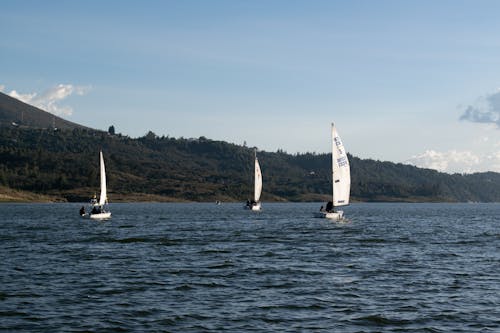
414	82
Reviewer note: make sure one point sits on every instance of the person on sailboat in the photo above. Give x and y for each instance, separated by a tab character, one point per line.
329	206
321	209
82	211
93	201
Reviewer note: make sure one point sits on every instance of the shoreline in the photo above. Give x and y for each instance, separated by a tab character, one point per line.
9	195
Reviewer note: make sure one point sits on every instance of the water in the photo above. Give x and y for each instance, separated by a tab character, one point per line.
208	268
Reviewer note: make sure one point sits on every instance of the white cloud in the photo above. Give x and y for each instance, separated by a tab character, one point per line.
50	99
454	161
26	98
2	87
485	110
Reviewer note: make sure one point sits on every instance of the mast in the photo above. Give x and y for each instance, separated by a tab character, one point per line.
333	163
255	175
257	179
103	198
341	175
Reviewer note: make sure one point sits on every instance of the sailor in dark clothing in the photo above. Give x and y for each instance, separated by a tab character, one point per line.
82	211
329	206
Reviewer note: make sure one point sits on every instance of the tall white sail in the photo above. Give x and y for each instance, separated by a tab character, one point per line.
103	197
341	173
258	181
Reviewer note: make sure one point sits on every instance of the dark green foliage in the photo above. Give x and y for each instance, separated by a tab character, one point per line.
35	157
66	163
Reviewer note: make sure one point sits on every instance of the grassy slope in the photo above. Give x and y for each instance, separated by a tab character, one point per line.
11	195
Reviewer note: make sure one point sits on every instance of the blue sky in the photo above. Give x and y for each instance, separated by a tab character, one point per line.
405	81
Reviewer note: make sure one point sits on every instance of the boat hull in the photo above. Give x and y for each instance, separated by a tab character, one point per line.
256	207
336	216
100	216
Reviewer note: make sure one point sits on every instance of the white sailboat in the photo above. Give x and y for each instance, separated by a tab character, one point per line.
255	203
341	180
99	209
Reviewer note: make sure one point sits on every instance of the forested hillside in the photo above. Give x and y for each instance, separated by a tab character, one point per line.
64	163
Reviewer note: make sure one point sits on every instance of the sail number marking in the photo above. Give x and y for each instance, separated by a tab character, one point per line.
342	161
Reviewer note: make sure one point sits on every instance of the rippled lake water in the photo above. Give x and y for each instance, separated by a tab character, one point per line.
208	268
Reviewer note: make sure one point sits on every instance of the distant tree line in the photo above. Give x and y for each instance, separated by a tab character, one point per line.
65	163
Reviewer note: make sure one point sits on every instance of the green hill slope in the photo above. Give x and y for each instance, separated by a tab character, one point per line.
65	164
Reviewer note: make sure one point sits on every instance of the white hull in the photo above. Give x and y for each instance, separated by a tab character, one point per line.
256	207
100	216
336	216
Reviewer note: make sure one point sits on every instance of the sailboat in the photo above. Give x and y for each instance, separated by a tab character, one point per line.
255	203
341	180
99	209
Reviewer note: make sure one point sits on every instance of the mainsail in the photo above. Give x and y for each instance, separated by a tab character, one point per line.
103	198
341	174
258	181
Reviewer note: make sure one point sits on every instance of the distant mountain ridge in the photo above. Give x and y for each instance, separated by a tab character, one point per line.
14	112
64	164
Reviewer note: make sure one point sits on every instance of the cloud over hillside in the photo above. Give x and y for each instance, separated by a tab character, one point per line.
50	99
